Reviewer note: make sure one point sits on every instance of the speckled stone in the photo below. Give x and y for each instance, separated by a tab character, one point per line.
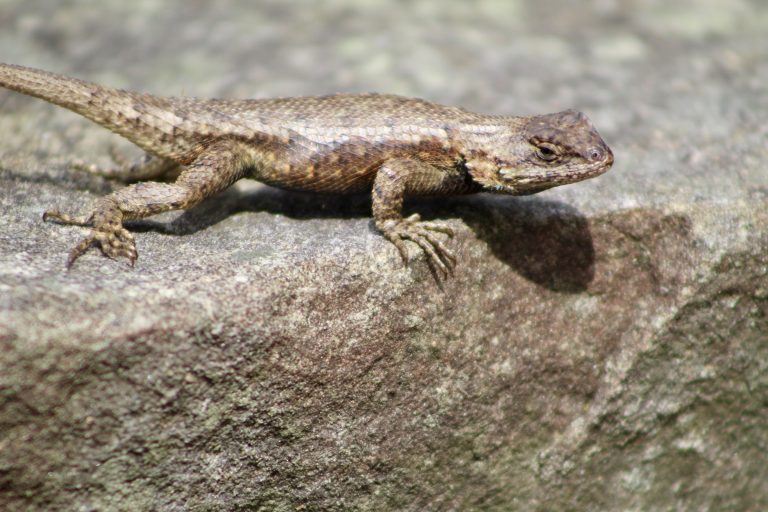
602	346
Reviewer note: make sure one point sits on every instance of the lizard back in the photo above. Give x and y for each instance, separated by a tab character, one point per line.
334	143
323	143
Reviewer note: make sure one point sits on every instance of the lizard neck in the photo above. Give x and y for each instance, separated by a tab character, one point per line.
490	144
485	134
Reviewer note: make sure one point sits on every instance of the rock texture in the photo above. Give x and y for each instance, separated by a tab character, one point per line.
603	346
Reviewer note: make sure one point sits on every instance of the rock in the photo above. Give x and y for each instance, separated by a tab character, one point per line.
603	346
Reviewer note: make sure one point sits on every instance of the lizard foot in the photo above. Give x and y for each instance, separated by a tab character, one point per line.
108	234
439	258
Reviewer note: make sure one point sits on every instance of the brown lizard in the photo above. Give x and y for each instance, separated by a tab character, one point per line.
390	145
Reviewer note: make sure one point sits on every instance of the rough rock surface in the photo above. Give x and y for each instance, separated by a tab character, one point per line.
603	346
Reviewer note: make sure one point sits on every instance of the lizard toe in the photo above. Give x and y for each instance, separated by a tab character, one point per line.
113	241
63	218
439	257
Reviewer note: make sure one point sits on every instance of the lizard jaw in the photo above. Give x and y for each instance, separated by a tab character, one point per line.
535	179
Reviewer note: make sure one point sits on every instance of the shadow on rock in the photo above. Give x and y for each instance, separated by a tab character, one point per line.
296	205
547	242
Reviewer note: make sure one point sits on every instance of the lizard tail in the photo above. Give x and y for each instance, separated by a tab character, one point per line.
115	109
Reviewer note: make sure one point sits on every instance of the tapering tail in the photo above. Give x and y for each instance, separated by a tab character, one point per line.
115	109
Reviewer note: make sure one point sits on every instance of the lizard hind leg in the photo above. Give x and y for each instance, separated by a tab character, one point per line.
148	168
215	169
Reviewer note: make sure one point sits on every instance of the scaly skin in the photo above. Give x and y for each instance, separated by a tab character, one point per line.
394	147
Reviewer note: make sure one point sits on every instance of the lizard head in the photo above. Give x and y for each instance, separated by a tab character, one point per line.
542	152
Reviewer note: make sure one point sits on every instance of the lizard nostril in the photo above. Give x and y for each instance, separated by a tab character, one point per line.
596	154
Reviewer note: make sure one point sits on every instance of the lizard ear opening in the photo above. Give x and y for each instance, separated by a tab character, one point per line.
484	172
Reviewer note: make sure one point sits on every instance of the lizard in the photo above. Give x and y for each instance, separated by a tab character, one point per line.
390	146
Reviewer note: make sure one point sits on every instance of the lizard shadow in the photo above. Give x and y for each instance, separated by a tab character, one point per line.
547	242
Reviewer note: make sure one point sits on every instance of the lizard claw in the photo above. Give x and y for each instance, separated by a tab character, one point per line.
439	257
112	238
114	242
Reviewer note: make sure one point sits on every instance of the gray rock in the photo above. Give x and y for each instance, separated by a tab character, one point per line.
603	346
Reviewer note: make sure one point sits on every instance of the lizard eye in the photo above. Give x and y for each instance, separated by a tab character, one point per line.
547	152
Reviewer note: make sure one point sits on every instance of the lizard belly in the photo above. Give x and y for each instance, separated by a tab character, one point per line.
348	167
336	172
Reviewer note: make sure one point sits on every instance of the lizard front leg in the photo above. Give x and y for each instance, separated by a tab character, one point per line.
215	169
394	179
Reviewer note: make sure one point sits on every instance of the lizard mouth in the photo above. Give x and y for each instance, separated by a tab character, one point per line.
531	181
